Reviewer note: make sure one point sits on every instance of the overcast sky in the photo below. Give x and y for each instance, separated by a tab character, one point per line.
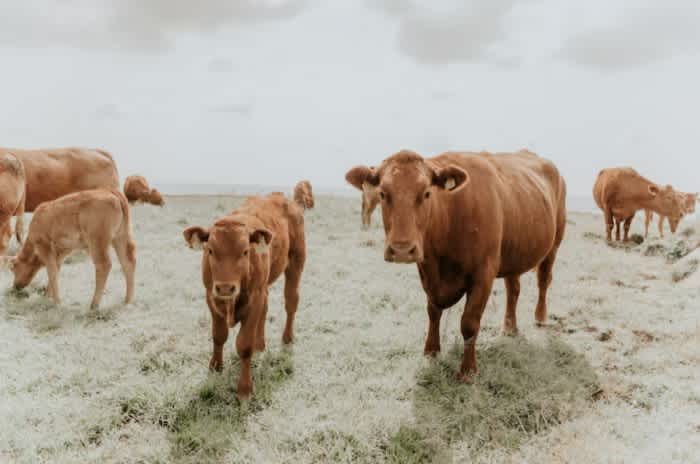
269	92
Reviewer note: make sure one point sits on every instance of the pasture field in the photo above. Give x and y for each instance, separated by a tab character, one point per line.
614	378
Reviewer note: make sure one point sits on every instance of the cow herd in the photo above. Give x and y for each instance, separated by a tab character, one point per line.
465	219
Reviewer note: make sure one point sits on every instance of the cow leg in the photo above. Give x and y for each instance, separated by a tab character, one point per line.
544	279
471	322
103	265
292	278
260	335
648	216
510	324
366	217
127	259
219	335
432	342
609	225
661	226
628	224
19	222
244	347
52	272
617	229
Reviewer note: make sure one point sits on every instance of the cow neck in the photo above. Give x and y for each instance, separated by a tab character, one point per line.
436	235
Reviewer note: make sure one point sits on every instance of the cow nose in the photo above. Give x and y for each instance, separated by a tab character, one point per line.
225	289
401	252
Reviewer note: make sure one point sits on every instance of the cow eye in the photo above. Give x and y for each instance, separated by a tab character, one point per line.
210	252
245	253
382	195
427	194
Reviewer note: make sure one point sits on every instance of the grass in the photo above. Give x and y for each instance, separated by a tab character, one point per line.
522	390
332	446
685	271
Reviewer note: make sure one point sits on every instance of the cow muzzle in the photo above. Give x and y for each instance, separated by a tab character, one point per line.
226	291
403	252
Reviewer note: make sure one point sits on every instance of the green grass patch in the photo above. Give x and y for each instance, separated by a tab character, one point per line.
522	389
331	446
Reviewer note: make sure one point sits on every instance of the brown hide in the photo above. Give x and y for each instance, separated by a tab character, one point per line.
243	254
465	219
137	190
303	195
12	189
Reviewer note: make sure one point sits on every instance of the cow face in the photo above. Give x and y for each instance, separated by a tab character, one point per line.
155	198
308	196
406	185
227	247
689	200
25	266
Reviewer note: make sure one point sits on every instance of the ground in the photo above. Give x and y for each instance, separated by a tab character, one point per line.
614	378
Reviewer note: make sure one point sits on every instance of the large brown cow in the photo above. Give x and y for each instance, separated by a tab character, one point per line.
92	220
621	192
12	188
244	253
137	190
304	195
688	201
466	219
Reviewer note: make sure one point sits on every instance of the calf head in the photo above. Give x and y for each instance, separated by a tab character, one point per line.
304	194
669	204
689	200
155	198
25	265
227	246
405	184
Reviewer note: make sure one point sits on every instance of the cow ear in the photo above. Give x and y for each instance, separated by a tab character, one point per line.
361	175
260	239
196	237
653	190
450	178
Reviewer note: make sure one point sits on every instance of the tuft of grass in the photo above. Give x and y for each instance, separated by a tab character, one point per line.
688	232
637	239
685	271
522	389
331	446
677	251
411	445
202	430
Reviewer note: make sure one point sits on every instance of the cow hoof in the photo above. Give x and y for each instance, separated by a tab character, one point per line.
541	324
259	347
287	339
431	352
466	377
509	331
216	365
244	394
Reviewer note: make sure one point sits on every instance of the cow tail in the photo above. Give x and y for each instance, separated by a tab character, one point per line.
126	225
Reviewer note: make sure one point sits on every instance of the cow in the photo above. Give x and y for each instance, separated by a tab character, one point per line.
621	192
52	173
303	195
92	220
12	189
688	201
370	200
244	253
137	190
466	219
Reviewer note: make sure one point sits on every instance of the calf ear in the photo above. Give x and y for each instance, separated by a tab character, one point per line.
260	239
360	175
653	190
450	178
196	237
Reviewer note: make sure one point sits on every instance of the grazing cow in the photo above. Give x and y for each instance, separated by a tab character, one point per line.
93	220
244	253
137	190
466	219
621	192
12	189
688	201
303	195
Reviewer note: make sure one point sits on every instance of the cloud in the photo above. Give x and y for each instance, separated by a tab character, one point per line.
108	111
241	109
144	25
451	31
651	32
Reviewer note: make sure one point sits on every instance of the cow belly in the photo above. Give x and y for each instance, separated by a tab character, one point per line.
526	253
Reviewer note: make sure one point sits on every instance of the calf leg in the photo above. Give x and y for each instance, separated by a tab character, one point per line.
432	342
103	265
471	321
244	347
52	272
628	224
19	222
510	324
219	335
125	251
661	226
260	335
544	279
648	216
292	278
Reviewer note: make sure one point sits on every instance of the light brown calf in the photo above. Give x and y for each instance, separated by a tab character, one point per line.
621	192
92	220
244	253
137	190
303	195
688	201
12	190
466	219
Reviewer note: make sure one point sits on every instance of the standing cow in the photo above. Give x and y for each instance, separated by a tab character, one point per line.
621	192
52	173
244	253
688	201
304	195
12	190
466	219
137	190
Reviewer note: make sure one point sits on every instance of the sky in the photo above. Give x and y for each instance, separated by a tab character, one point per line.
270	92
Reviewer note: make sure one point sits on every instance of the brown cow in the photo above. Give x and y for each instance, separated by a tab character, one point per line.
93	220
620	192
244	253
466	219
370	200
12	188
303	195
688	201
137	190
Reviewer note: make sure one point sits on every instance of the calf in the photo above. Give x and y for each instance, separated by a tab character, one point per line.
688	201
137	190
12	194
465	219
243	254
303	195
92	220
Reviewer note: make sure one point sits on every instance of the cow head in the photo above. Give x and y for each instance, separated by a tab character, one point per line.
689	200
25	266
227	248
406	184
669	204
155	198
303	194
